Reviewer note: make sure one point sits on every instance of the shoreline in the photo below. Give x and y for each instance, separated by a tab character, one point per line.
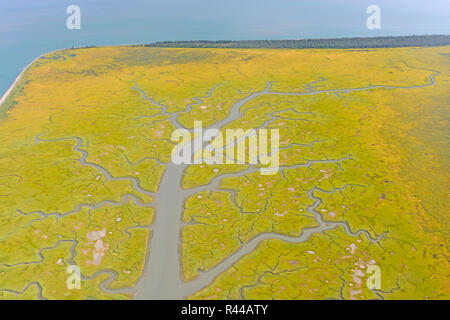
19	76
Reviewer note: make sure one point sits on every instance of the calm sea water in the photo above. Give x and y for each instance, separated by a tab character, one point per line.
29	28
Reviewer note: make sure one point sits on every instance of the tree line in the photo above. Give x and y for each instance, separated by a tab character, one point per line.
338	43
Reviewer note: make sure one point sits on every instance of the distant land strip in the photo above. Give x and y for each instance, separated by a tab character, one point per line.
338	43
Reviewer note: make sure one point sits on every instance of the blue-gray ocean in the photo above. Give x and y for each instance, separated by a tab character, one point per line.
29	28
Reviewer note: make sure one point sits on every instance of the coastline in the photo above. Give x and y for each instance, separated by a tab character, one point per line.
7	93
16	80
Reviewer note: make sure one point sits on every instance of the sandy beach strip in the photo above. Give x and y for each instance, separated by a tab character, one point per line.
8	92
